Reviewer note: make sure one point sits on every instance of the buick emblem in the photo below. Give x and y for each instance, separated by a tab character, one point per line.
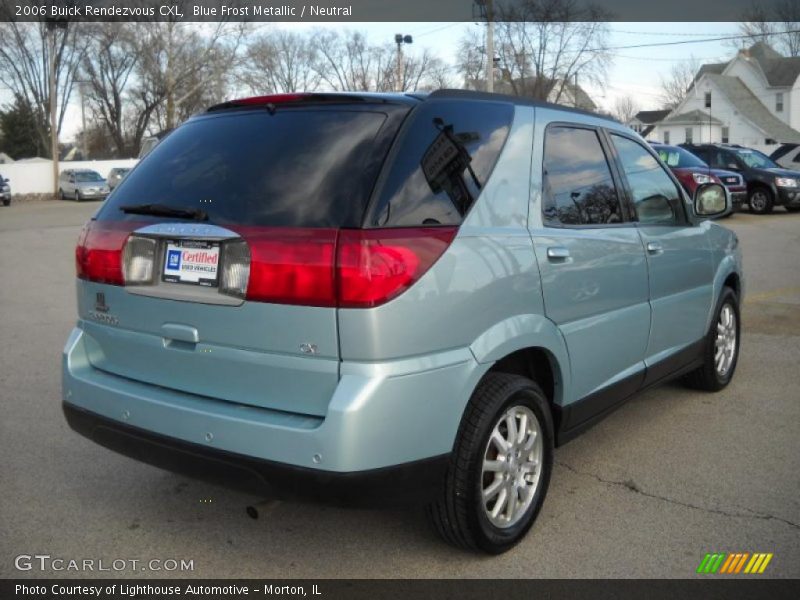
100	303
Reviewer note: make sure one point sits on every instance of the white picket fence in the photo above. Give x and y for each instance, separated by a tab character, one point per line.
37	177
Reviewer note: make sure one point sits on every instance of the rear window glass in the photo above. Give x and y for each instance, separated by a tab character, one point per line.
441	162
293	168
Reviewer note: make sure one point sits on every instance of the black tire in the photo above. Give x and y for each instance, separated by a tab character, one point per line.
707	377
792	209
760	200
458	514
6	201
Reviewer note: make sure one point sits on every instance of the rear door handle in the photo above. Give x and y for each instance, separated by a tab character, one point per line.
557	253
180	333
654	248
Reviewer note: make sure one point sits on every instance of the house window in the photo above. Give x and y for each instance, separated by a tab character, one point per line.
708	99
666	136
779	102
689	132
769	142
726	134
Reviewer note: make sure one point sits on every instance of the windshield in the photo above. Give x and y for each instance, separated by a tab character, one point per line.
289	168
756	160
88	176
679	158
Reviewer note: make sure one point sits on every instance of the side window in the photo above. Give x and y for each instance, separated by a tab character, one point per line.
656	198
441	163
727	160
578	187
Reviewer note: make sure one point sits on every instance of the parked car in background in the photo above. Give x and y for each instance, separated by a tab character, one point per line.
5	191
691	171
787	156
116	175
82	184
356	297
768	184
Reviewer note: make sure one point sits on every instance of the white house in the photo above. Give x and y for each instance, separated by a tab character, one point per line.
752	100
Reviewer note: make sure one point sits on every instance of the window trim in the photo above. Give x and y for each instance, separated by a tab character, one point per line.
779	102
687	221
624	208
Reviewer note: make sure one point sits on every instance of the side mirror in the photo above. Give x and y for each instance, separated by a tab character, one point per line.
711	200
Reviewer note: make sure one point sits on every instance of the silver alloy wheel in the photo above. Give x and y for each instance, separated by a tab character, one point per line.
758	201
512	466
725	345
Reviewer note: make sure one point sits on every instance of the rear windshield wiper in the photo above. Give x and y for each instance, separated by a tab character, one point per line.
162	210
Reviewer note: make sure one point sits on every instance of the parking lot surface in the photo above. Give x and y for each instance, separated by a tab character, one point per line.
670	476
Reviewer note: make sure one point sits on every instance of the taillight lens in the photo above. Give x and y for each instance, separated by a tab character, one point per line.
291	265
375	265
358	268
138	260
98	256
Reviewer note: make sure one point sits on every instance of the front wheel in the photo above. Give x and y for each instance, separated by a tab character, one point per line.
721	347
6	201
500	467
760	201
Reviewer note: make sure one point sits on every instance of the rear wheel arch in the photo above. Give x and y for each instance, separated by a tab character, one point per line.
535	363
733	281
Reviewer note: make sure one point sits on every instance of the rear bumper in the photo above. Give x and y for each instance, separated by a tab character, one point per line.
410	483
381	416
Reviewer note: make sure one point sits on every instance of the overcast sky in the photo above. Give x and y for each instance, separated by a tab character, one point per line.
635	72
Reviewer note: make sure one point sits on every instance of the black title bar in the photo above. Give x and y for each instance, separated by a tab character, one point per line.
345	11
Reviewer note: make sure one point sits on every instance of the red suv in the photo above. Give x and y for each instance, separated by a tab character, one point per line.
691	171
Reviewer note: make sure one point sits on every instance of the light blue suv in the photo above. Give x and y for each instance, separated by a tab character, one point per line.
392	298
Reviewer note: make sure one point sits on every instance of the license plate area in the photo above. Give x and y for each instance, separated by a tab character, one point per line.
191	262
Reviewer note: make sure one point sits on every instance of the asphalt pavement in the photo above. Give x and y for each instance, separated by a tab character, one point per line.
669	477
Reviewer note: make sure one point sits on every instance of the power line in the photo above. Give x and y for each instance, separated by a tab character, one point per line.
662	33
680	42
437	29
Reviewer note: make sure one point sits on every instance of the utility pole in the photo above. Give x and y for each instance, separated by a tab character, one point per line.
53	91
489	47
400	39
84	141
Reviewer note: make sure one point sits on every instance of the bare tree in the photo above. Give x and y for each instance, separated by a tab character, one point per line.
625	108
281	61
182	67
422	72
25	66
107	69
346	61
545	45
470	64
777	24
680	79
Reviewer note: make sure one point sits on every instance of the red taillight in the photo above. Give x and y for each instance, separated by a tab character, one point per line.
375	265
347	268
98	255
291	265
